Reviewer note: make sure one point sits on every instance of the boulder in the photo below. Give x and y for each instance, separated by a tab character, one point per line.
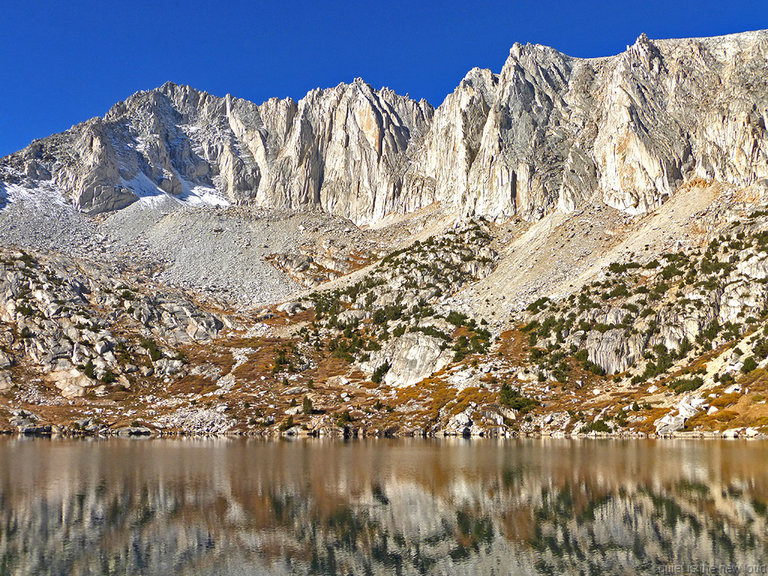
459	424
167	367
290	308
415	356
688	407
72	383
6	383
102	346
669	424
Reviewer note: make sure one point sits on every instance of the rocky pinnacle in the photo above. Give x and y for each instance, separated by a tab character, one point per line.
545	133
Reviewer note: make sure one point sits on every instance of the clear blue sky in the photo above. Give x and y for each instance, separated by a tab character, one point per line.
64	62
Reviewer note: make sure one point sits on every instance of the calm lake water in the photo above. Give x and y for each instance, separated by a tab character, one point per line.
383	507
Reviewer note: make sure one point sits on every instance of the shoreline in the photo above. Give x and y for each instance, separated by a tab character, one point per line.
53	432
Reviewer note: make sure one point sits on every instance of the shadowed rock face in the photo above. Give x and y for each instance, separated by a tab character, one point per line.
546	132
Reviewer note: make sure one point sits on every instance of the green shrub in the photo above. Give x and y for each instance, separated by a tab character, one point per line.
24	310
343	419
617	268
599	426
456	318
760	349
749	365
152	349
539	304
686	384
620	290
670	272
511	398
378	373
594	368
432	331
287	424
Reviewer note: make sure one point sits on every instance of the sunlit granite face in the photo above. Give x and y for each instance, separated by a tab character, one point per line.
381	507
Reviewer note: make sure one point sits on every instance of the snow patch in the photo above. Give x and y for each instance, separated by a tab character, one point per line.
42	195
151	195
148	192
196	195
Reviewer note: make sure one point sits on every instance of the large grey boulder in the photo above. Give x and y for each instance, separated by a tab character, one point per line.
415	356
669	424
72	383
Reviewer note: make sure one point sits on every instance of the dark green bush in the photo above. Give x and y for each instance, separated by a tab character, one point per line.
512	398
152	349
749	365
686	384
378	373
599	426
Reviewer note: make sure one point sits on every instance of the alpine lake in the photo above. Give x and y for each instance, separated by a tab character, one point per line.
506	507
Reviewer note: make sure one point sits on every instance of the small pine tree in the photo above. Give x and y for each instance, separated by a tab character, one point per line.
749	365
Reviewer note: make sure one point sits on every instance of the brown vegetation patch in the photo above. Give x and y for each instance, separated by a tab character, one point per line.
190	384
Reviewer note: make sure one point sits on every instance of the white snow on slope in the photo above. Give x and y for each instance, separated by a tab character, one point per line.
46	193
43	194
150	194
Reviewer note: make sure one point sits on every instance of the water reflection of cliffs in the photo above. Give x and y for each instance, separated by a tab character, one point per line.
176	507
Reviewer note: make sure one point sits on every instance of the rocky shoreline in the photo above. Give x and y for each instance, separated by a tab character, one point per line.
53	432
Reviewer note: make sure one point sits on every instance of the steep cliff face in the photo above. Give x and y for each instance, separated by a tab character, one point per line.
345	152
547	132
340	149
550	130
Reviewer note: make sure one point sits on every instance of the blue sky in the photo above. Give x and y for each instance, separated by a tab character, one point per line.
64	62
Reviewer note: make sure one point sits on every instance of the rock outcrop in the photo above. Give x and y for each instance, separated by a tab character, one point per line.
546	132
81	328
414	357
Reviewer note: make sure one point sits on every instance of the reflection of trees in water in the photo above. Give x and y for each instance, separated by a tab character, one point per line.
643	529
506	517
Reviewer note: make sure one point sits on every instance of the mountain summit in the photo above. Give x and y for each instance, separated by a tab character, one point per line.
546	132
